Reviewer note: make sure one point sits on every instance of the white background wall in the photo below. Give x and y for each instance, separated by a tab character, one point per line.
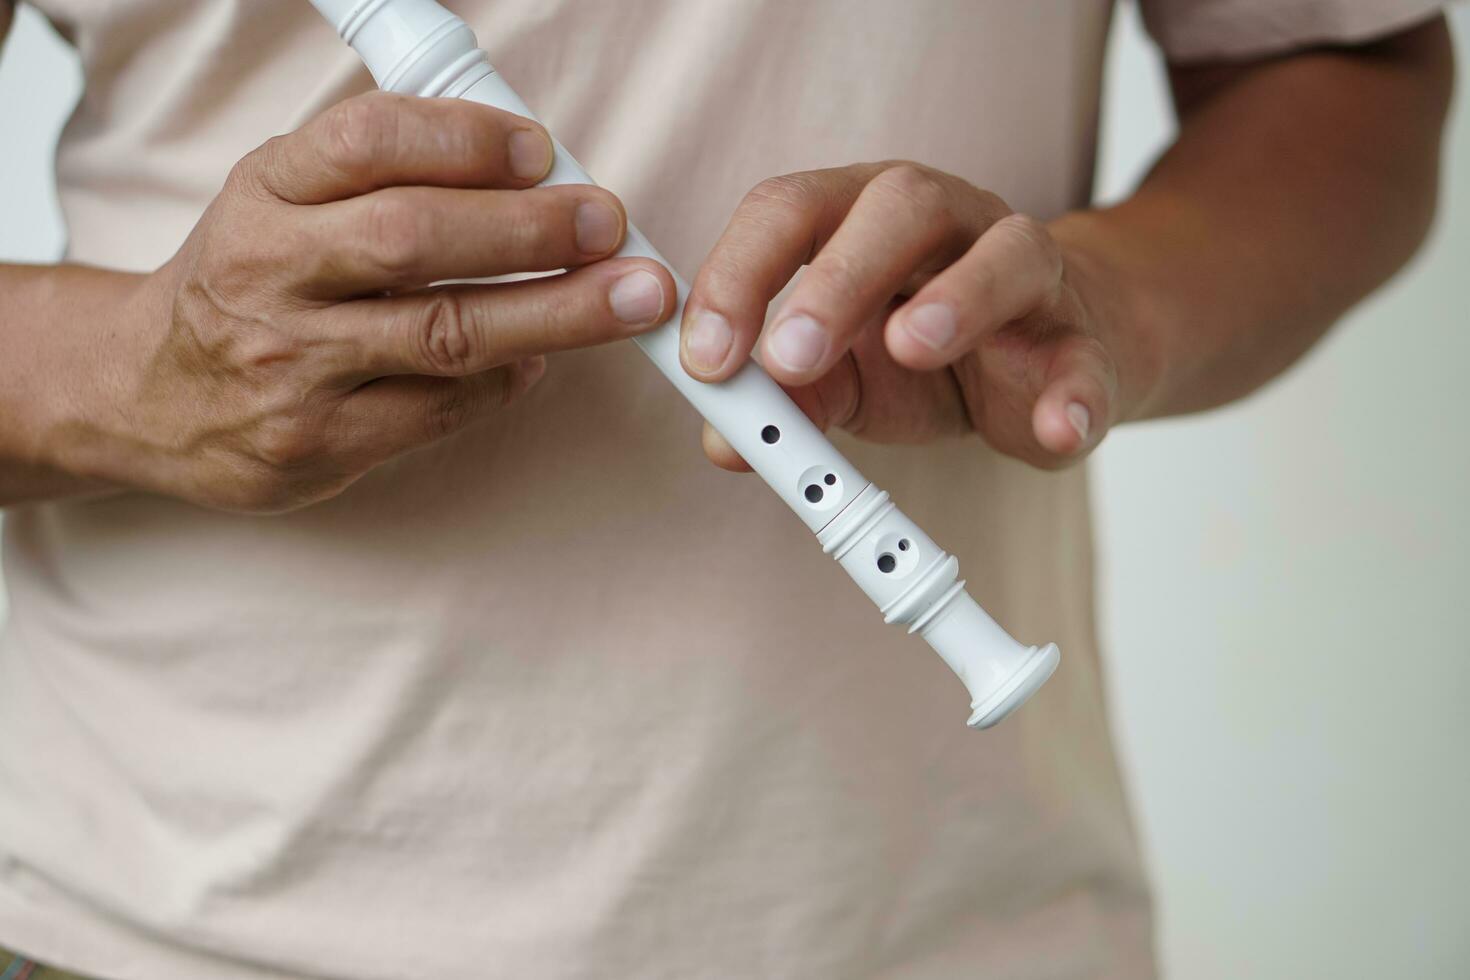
1287	618
1284	597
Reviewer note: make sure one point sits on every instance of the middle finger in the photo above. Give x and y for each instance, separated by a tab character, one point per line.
405	237
899	224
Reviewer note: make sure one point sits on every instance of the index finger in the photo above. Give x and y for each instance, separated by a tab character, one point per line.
779	226
380	140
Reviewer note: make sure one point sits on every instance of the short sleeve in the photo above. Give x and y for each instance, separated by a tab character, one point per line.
1208	30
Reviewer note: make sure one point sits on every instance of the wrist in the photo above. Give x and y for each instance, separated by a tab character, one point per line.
88	326
1103	267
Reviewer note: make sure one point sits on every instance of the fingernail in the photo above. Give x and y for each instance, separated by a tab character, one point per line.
710	339
798	343
597	228
530	154
1080	418
933	325
637	298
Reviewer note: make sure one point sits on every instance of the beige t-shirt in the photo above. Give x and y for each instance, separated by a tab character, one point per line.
556	698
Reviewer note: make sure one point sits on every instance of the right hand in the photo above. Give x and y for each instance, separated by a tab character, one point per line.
294	342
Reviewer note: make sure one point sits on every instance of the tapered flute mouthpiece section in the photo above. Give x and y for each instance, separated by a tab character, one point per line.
336	12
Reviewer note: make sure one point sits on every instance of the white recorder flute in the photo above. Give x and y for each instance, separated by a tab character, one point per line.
416	47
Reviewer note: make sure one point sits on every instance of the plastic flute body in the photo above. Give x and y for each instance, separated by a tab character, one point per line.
416	47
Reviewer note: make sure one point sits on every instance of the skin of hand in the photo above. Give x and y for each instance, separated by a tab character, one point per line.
295	340
927	307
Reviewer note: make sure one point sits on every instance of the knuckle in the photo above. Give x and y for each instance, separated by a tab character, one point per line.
360	130
242	226
789	192
920	187
442	335
448	412
990	202
983	203
1031	236
838	272
239	271
721	282
253	173
284	444
395	235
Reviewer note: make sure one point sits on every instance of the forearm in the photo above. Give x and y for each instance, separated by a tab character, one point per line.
1295	188
59	339
30	393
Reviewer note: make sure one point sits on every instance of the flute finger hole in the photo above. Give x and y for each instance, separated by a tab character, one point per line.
895	555
770	435
820	487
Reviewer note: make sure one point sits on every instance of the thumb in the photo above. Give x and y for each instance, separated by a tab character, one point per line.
1077	400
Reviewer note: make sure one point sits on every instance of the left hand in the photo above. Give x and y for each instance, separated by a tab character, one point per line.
929	308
